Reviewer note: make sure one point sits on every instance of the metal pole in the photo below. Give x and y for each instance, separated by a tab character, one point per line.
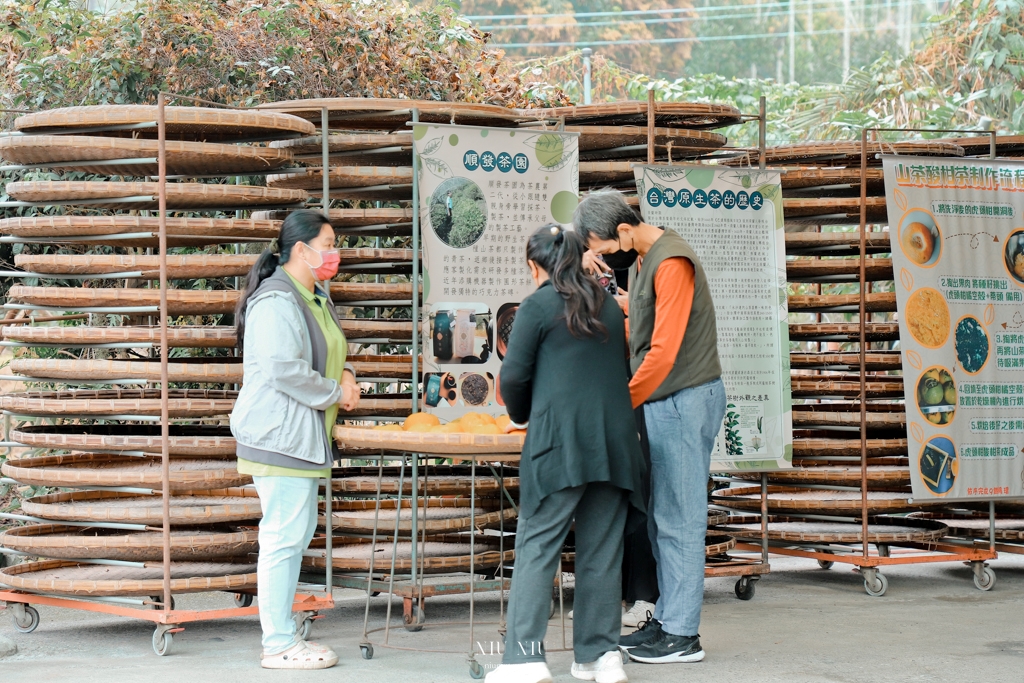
650	124
762	132
325	150
863	343
764	517
586	74
415	339
165	455
992	525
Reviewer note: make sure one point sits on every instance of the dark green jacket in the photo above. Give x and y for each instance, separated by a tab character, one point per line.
575	394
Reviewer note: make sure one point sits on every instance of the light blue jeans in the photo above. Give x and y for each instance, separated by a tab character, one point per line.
682	430
289	519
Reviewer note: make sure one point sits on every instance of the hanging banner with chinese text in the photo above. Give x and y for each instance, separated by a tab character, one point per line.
958	257
732	218
482	193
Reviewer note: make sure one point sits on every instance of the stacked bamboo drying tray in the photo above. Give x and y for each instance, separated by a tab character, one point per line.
817	507
102	538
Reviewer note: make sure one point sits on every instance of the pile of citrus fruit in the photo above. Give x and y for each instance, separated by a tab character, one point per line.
470	423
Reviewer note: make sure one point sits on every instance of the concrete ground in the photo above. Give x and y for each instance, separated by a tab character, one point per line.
803	625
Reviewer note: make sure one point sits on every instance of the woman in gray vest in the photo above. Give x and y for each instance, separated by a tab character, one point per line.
565	374
673	346
294	380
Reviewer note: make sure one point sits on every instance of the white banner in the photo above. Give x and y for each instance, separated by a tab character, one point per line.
732	218
482	193
958	256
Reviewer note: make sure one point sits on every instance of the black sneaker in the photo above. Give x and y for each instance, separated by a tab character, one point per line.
669	649
647	631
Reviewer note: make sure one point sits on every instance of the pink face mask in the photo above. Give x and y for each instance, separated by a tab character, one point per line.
328	268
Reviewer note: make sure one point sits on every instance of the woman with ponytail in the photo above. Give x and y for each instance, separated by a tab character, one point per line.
566	374
295	379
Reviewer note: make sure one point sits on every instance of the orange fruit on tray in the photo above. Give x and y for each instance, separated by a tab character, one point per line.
477	419
420	419
485	429
502	421
518	431
389	427
420	428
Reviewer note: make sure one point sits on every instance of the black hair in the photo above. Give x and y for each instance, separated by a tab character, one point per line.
299	226
601	213
560	253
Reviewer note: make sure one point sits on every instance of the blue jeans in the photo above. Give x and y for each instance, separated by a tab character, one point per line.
289	519
682	429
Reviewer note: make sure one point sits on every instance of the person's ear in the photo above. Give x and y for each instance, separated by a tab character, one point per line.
625	230
534	270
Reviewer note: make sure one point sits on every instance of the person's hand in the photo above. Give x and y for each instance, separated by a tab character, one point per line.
622	299
350	393
511	427
594	265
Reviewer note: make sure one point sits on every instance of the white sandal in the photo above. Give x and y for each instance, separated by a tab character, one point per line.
302	655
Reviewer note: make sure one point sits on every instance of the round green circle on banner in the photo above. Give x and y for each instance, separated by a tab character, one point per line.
419	132
426	284
484	133
549	149
562	206
700	177
453	140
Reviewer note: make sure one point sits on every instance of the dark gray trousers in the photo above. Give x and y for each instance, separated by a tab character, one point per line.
600	514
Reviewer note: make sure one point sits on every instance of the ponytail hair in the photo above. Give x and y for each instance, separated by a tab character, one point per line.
299	226
560	253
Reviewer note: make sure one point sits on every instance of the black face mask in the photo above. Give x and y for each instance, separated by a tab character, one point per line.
620	260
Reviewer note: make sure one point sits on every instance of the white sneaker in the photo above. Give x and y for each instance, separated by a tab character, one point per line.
528	672
607	669
640	611
570	614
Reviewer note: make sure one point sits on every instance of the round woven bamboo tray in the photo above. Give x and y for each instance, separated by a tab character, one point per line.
825	448
879	361
180	196
819	206
716	517
179	301
184	441
607	141
979	145
879	477
843	332
348	292
839	388
352	149
177	336
429	443
376	328
182	123
179	266
836	243
825	416
966	524
439	555
601	173
882	302
182	402
688	115
73	152
78	543
439	480
105	469
849	153
389	182
199	507
786	499
718	544
801	178
180	231
439	515
811	270
349	218
880	530
367	113
69	578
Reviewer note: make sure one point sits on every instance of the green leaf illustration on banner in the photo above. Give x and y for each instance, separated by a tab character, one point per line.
437	167
576	175
553	151
667	174
432	146
771	192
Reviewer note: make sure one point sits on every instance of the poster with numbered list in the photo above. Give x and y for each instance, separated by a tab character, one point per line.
957	233
732	218
482	193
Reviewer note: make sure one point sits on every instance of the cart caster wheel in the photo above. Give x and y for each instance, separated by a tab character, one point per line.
877	587
414	621
374	594
243	599
745	588
162	641
985	578
366	651
27	622
306	628
475	670
826	564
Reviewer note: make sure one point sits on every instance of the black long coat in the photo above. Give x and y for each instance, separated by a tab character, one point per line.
575	394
